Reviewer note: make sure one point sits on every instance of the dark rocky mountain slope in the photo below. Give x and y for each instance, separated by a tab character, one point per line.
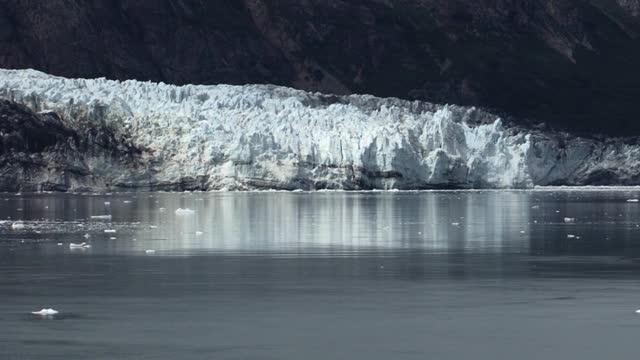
570	63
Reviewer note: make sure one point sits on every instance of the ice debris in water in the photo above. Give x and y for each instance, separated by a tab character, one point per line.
17	225
107	203
101	217
455	224
570	236
199	233
45	312
109	231
79	246
86	236
569	220
633	200
150	251
184	212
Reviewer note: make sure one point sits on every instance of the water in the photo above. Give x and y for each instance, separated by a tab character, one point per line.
416	275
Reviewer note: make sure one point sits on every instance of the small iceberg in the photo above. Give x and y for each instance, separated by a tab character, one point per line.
45	312
569	220
109	231
17	225
633	200
83	245
150	251
101	217
571	236
184	212
199	233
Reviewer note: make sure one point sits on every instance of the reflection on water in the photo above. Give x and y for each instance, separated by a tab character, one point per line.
330	223
408	275
289	223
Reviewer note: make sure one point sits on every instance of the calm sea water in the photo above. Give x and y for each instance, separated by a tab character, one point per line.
416	275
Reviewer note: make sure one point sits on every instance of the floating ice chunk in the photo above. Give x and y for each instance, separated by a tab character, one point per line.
109	231
455	224
153	226
184	212
127	201
101	217
150	251
86	236
638	311
535	207
569	220
199	233
59	244
162	209
79	246
570	236
633	200
107	203
522	231
17	225
45	312
112	238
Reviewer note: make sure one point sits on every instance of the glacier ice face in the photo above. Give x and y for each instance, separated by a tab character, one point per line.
262	136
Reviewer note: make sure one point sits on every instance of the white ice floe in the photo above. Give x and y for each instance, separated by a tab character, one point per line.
150	251
184	212
86	236
101	217
46	312
264	136
109	231
199	233
569	220
570	236
633	200
79	246
17	225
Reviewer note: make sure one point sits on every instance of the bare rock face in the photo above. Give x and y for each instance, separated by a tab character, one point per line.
569	63
40	152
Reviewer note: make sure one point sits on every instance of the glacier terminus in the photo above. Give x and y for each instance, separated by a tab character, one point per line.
93	134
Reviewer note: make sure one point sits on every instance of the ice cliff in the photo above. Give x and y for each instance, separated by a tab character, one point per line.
133	134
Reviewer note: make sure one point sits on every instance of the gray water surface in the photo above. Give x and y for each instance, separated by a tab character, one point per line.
408	275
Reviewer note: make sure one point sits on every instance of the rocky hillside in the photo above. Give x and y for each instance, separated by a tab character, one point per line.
570	63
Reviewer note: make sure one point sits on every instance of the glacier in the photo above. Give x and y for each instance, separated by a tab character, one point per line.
224	137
